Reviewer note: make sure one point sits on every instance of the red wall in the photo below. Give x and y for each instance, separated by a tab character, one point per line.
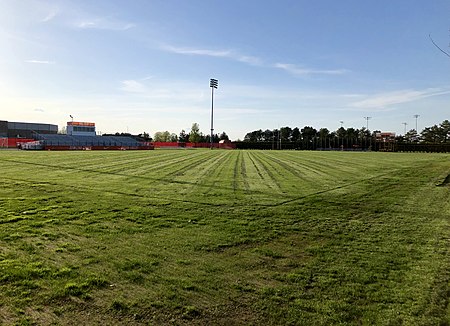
192	145
12	142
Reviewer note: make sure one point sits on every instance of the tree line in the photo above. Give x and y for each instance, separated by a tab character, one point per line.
311	138
436	134
194	136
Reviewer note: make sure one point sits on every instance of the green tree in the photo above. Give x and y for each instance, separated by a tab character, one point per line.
145	136
445	130
309	137
324	135
268	135
183	137
437	133
285	134
224	136
341	133
295	135
411	136
162	136
195	136
254	136
432	134
308	133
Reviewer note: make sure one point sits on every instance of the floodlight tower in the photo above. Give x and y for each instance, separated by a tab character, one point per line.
405	124
367	128
213	83
367	122
416	116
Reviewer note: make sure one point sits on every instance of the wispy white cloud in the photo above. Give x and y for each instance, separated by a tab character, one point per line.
254	61
104	23
42	62
192	51
133	86
300	71
383	101
69	14
251	60
51	15
228	54
161	90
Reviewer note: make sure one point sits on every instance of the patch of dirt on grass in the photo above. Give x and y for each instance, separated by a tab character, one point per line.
42	316
232	314
7	317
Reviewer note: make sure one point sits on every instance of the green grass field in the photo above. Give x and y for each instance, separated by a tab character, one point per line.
224	238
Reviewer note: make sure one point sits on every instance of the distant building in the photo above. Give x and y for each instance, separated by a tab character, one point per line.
75	128
14	133
10	129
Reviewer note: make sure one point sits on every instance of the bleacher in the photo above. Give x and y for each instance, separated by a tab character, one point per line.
87	141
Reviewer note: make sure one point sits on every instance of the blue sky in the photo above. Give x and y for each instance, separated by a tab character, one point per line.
145	65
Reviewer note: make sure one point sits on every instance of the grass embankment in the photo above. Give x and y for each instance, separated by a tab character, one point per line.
224	237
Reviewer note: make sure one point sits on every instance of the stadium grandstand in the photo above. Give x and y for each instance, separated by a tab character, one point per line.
74	142
80	136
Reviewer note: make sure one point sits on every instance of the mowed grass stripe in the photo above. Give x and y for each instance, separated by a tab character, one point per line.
201	176
241	186
309	169
302	178
319	165
259	178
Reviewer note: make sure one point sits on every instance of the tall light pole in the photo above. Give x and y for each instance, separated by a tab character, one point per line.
367	128
416	116
405	124
213	83
367	122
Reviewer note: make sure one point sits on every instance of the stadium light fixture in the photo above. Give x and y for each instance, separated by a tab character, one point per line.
405	124
367	128
367	122
213	83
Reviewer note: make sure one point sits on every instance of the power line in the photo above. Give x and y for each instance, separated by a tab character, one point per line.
447	54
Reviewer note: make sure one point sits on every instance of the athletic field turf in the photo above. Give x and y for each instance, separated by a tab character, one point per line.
224	238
